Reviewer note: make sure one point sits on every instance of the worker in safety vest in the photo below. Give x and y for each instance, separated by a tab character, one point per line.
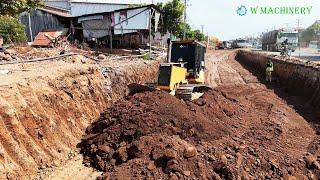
269	70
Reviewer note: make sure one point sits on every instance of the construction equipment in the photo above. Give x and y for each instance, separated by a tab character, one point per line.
183	76
271	41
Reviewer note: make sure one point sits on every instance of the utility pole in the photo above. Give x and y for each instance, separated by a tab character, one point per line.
207	39
185	19
298	22
202	29
150	34
30	27
110	36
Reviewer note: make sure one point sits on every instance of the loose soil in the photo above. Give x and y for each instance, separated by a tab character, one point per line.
242	129
46	106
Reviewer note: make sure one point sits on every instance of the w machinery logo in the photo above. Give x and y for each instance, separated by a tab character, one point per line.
242	10
274	10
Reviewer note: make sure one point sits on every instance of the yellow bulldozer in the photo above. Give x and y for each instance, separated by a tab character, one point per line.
184	74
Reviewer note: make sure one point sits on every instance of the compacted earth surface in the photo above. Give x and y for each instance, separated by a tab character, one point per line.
241	129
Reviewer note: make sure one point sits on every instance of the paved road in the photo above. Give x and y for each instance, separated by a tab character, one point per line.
309	54
305	53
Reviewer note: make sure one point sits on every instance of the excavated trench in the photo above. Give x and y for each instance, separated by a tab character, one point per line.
301	78
43	119
243	129
43	115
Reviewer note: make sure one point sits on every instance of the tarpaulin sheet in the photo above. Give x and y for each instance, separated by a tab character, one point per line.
156	18
96	28
87	18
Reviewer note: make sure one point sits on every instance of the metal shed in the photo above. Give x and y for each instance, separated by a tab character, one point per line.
44	18
83	7
60	13
122	24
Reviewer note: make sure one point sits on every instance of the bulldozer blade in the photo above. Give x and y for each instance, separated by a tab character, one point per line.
139	88
191	92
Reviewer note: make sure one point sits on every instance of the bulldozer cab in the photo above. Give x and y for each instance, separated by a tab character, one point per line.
183	76
192	53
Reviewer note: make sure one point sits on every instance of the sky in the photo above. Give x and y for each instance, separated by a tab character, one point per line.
219	17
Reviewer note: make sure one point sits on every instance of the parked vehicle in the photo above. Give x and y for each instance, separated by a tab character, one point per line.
220	45
239	43
228	44
272	40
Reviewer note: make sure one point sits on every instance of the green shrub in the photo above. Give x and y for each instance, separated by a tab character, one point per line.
12	30
146	56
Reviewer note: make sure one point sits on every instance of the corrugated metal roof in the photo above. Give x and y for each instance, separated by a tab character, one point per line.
79	9
55	11
64	4
106	1
123	9
85	7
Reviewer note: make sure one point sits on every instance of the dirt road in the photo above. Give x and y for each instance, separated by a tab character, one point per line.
242	129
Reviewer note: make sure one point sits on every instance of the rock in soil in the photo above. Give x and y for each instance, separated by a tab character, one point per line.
154	135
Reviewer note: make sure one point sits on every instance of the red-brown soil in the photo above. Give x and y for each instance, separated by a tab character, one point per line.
46	106
242	129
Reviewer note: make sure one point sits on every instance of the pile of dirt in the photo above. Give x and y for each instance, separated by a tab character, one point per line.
155	135
22	52
9	55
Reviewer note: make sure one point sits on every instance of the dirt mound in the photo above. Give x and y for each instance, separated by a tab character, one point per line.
227	134
154	134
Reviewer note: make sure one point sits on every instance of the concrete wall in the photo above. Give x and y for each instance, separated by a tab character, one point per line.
299	77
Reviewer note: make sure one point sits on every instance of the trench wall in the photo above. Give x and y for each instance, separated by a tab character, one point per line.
43	119
299	77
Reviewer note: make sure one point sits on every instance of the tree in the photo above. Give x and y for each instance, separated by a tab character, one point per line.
172	21
181	28
172	16
199	35
13	8
12	30
213	40
311	33
10	27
